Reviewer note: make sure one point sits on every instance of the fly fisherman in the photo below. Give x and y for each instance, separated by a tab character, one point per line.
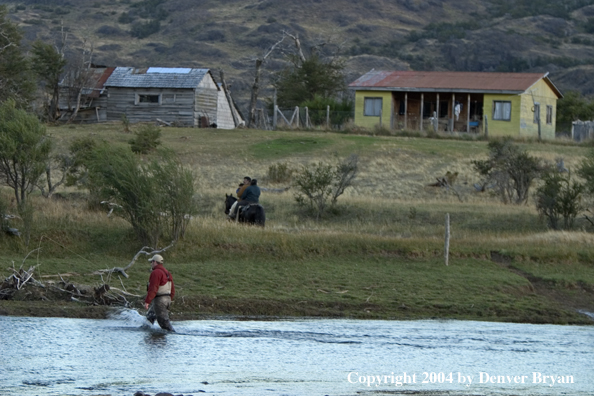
160	292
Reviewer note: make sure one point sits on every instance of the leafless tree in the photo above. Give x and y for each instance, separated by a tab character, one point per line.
79	78
256	85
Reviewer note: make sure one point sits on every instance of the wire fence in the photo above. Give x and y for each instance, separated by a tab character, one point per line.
303	118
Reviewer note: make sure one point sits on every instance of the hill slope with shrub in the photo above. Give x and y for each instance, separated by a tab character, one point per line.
490	35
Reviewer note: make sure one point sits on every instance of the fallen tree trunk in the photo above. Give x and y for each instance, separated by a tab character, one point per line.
136	256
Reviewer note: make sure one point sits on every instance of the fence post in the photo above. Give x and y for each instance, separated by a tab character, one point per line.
297	112
306	117
328	117
435	122
446	252
486	127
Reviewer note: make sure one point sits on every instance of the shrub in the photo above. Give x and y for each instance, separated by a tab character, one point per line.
340	111
24	154
279	173
125	18
155	198
559	198
147	139
144	29
321	182
586	171
510	170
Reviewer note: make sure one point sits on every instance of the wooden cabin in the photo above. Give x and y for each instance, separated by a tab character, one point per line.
494	104
176	96
83	93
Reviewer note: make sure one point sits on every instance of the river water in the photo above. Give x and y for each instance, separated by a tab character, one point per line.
123	355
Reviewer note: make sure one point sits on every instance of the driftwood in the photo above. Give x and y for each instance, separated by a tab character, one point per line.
146	250
160	121
447	182
103	294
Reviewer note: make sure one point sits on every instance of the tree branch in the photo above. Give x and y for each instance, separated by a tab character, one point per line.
136	256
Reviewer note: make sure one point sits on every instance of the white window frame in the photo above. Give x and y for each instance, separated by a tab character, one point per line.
372	106
501	110
536	113
549	115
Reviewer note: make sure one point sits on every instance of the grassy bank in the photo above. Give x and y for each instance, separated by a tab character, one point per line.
378	255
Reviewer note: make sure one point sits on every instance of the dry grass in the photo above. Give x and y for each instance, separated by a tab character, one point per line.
387	229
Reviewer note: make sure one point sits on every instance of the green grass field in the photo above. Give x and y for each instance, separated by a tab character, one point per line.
379	254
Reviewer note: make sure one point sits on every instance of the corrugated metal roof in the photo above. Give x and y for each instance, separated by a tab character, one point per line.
98	89
156	77
450	81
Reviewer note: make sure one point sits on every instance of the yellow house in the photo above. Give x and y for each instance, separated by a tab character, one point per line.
494	104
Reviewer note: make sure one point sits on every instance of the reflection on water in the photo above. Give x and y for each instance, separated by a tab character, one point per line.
125	354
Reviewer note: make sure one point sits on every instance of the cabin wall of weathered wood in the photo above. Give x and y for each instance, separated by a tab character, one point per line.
175	106
206	101
224	116
91	109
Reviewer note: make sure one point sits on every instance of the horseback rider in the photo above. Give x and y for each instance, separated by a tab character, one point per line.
249	195
242	186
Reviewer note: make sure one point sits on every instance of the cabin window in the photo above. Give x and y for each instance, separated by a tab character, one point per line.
501	110
536	113
549	115
148	98
373	107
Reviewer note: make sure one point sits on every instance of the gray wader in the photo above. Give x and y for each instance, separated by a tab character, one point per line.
159	308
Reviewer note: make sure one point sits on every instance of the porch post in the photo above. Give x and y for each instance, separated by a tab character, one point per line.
392	115
437	116
468	115
421	118
405	110
453	107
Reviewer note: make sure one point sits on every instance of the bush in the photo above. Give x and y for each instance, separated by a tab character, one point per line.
155	198
559	198
279	173
509	170
147	139
125	18
340	111
144	29
586	171
319	183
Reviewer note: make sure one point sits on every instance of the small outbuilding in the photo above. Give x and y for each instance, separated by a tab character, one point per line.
83	97
176	96
497	104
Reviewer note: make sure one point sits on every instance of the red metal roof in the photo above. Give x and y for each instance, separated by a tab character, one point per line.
100	76
450	81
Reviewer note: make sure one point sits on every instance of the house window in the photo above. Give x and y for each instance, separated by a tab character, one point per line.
549	115
148	98
373	107
501	110
536	113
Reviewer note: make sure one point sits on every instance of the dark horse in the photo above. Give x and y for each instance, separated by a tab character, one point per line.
250	214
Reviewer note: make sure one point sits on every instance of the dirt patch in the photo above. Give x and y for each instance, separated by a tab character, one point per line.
575	297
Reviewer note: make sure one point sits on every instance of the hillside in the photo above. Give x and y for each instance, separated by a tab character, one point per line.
489	35
377	254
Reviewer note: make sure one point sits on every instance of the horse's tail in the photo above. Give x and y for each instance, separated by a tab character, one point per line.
259	216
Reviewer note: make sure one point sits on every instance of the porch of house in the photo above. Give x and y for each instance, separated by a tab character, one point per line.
438	111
